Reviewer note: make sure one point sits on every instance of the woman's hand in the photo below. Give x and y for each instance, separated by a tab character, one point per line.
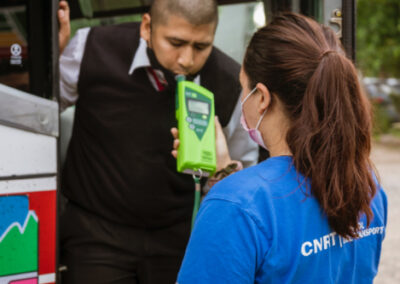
64	31
223	157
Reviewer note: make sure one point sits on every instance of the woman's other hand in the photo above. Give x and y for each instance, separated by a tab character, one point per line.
223	157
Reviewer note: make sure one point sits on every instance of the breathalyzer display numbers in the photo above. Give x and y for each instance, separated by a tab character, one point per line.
198	106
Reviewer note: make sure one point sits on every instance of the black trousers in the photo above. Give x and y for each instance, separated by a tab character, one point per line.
97	251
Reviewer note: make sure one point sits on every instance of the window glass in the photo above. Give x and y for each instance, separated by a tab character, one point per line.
81	23
14	48
232	36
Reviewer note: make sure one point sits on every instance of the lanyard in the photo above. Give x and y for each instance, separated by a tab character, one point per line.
197	196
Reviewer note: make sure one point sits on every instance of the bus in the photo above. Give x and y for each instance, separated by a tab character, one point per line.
34	135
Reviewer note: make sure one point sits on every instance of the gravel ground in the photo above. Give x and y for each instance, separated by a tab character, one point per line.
386	157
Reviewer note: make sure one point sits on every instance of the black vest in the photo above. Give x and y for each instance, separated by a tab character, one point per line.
119	164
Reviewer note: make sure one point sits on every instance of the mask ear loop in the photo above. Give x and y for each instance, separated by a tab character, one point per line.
265	111
261	118
151	33
248	96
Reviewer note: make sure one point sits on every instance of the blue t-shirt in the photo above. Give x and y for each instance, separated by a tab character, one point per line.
258	226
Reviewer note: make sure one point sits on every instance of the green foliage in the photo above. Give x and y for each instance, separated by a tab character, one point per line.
395	132
396	101
101	5
81	23
378	37
381	120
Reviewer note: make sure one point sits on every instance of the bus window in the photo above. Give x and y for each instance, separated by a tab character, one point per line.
13	48
107	8
233	36
28	53
112	20
91	13
311	8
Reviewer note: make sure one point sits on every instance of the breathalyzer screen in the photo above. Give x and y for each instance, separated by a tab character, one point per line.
198	106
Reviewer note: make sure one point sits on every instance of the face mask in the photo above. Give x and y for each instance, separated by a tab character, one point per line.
168	75
254	133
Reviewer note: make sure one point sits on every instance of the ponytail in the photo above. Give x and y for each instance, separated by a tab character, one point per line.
302	63
330	142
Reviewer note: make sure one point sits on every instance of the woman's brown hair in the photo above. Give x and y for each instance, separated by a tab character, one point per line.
303	64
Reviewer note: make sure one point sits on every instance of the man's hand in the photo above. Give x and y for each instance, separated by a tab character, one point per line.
65	28
174	132
223	157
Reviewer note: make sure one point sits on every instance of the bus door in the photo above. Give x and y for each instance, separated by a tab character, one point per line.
340	15
238	20
28	140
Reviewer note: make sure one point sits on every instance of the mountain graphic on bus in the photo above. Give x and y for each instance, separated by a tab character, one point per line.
19	238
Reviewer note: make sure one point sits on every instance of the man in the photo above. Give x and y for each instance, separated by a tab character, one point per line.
128	214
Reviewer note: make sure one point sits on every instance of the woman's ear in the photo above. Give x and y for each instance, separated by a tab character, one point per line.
265	99
145	27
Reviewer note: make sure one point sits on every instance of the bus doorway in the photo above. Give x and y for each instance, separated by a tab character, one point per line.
29	109
231	36
29	138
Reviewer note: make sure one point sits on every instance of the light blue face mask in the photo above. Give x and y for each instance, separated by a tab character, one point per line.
254	133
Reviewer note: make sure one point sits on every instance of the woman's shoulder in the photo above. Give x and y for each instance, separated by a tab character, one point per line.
261	181
236	186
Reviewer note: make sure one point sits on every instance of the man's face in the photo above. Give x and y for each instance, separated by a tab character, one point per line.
179	46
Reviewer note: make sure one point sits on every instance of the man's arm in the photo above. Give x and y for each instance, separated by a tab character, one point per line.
71	53
70	65
64	31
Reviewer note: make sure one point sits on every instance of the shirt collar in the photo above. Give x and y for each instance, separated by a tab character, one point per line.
141	60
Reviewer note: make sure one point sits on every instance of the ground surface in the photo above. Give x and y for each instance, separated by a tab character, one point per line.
386	156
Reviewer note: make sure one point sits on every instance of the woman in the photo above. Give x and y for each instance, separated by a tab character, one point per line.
312	212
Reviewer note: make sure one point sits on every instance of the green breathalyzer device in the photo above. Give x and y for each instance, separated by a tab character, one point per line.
195	115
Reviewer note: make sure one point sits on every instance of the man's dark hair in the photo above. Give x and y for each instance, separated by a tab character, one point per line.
196	12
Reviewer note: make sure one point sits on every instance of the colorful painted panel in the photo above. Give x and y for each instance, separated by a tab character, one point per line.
27	238
26	281
19	237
